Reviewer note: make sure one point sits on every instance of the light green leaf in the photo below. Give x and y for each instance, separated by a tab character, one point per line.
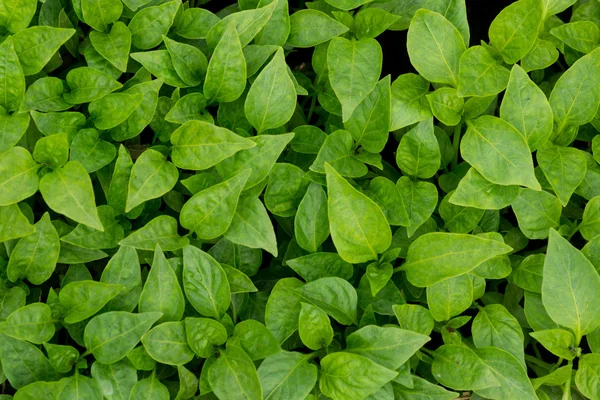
420	200
198	145
113	46
162	292
18	176
475	191
311	27
35	256
346	375
149	24
582	36
435	47
354	69
15	15
12	79
358	227
287	376
514	30
526	107
563	167
167	344
226	73
110	336
88	84
162	230
251	226
151	176
36	45
437	256
271	100
82	299
68	191
498	152
409	104
536	212
571	287
205	283
480	74
99	14
233	376
338	151
204	335
33	323
418	153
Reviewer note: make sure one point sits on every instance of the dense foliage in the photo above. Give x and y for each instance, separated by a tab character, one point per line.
204	202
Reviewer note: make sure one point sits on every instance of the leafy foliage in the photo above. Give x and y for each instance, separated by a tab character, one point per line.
201	200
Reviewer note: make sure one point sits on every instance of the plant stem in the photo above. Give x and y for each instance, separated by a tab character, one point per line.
567	388
313	103
456	143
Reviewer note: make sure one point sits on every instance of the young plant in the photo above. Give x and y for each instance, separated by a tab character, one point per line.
207	202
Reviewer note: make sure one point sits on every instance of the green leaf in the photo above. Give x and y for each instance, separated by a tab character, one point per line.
12	79
123	268
346	375
82	299
35	256
52	151
514	30
557	341
151	176
287	375
68	191
36	45
511	375
480	74
149	388
387	346
149	24
354	69
12	128
189	62
582	36
574	98
33	323
423	390
198	145
162	292
420	200
435	47
205	283
88	84
113	46
321	265
113	109
16	15
495	326
99	14
89	238
159	64
167	344
255	339
195	23
333	295
204	335
414	318
45	94
437	256
498	152
409	101
338	151
357	237
450	297
536	212
110	336
369	124
226	73
13	224
564	168
283	308
115	380
314	327
233	376
209	213
162	230
587	374
24	363
526	107
18	176
311	27
475	191
570	289
457	366
418	153
271	100
91	151
251	226
260	158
